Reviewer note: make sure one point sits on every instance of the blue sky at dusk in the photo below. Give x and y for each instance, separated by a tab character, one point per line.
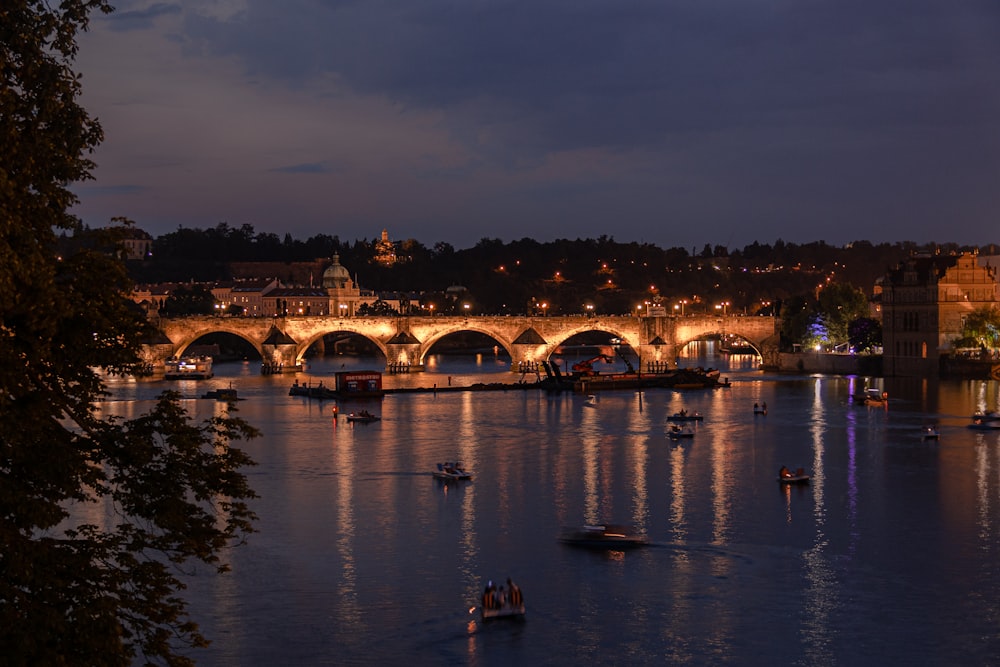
673	122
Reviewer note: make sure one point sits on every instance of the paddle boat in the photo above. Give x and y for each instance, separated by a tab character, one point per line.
452	471
685	416
676	431
786	476
873	397
608	536
505	602
363	417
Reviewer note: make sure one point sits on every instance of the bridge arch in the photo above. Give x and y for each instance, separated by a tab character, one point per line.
437	336
303	346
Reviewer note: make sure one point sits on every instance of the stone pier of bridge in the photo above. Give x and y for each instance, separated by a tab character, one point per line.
406	341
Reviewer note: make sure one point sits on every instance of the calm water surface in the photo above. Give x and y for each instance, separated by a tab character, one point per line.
890	556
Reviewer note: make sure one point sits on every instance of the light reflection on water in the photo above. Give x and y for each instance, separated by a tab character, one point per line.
362	557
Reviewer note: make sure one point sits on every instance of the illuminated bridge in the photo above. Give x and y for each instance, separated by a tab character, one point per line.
405	341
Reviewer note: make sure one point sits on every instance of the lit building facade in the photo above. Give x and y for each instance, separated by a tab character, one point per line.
924	302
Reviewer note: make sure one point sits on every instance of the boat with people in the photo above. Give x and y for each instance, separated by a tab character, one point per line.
503	602
685	416
676	431
188	368
786	476
604	536
760	409
872	397
452	471
363	417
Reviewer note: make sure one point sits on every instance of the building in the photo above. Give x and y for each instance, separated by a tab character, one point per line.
924	301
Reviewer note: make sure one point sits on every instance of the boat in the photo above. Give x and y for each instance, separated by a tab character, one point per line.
502	603
986	416
591	401
223	394
984	425
786	476
676	431
188	368
608	536
685	416
875	397
363	417
452	471
760	409
930	433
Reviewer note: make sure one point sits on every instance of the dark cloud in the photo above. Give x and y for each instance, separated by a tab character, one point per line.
142	19
743	119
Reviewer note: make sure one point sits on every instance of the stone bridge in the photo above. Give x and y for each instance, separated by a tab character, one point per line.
405	341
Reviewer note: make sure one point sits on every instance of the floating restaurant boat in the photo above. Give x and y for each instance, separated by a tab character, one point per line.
188	368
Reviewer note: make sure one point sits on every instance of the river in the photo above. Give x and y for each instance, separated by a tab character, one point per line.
891	555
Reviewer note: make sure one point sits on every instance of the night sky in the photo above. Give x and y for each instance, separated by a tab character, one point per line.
673	122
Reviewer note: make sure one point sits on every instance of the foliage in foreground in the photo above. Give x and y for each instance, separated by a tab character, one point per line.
97	514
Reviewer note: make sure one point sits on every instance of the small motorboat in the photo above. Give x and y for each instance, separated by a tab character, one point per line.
676	431
985	425
502	603
786	476
452	471
986	416
225	394
930	433
606	536
363	417
685	416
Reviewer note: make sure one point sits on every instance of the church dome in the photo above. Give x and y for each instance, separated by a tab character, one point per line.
336	276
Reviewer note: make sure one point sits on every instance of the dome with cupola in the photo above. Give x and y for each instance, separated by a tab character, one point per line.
336	276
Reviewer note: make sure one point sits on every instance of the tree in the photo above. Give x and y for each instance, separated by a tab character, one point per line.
72	591
865	334
983	325
189	300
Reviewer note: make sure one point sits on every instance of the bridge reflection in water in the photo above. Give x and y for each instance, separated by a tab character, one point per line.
282	342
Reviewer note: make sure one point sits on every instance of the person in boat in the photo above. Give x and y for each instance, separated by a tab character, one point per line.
516	600
784	472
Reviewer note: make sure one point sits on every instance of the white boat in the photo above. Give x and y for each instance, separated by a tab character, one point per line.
188	368
452	472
